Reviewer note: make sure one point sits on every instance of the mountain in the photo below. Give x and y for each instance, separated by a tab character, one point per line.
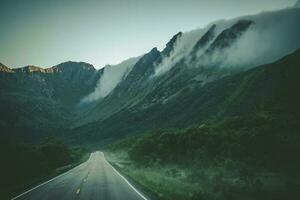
112	76
4	68
269	88
66	82
228	36
204	40
36	100
200	57
228	68
171	44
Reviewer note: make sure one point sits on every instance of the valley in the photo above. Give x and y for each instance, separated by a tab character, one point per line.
213	115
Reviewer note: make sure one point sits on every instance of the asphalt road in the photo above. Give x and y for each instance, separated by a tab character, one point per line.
92	180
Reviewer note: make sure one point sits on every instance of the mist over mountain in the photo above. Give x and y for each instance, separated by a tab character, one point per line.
110	78
198	57
212	113
267	39
175	87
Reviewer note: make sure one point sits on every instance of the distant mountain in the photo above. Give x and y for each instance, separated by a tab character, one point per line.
210	73
4	68
38	100
69	78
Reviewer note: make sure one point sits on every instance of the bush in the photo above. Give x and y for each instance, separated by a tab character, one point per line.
24	165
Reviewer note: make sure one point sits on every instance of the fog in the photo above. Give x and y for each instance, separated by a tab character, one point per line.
110	78
271	36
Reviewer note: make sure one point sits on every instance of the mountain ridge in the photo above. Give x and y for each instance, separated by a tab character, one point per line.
57	68
183	84
237	95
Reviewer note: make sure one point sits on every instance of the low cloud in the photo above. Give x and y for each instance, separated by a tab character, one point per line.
271	36
110	78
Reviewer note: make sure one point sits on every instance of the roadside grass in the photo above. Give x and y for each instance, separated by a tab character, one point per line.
164	186
223	180
251	157
165	182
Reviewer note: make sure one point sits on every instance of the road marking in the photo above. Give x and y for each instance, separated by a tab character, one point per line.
67	172
77	191
143	197
40	185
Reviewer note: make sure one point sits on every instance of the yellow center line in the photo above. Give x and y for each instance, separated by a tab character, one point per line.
77	191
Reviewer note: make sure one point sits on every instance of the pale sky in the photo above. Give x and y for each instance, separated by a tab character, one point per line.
48	32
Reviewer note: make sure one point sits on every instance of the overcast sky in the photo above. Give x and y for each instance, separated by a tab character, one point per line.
46	33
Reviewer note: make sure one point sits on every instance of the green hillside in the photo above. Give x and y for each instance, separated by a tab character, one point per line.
269	88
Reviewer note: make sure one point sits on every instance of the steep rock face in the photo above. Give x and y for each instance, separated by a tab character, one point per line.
170	45
6	69
228	36
193	70
205	39
33	69
202	63
143	68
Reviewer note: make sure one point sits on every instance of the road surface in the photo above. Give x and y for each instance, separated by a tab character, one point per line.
95	179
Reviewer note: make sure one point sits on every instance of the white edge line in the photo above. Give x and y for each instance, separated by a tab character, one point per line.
143	197
45	183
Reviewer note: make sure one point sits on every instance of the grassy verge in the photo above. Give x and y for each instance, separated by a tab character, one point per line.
121	166
240	158
212	182
157	182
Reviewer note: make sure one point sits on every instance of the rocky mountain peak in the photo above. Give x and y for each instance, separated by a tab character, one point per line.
205	39
71	66
229	35
32	69
170	45
4	68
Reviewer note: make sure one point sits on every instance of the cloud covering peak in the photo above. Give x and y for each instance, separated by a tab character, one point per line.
112	75
267	37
